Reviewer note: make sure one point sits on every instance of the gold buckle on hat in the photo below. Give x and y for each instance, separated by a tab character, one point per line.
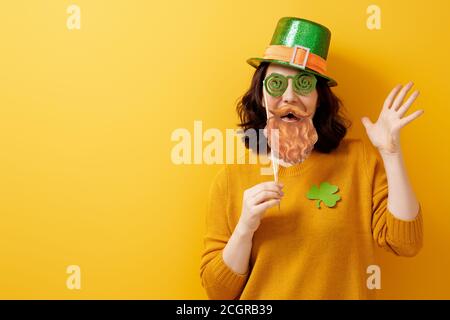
294	54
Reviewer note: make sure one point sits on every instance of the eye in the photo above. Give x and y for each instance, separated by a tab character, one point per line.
304	83
275	84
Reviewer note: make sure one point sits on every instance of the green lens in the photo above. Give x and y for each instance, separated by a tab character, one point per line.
276	84
304	83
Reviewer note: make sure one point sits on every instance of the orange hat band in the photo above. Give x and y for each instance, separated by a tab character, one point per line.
298	56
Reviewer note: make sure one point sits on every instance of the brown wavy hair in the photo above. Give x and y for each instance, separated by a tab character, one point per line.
330	125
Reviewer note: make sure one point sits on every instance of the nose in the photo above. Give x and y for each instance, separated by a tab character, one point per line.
289	95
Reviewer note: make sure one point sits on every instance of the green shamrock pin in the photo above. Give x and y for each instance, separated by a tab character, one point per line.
324	193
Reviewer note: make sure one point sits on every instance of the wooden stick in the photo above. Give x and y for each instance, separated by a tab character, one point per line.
272	157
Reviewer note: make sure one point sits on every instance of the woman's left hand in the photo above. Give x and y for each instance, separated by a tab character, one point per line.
385	133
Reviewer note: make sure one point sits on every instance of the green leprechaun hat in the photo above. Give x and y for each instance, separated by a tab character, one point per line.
301	44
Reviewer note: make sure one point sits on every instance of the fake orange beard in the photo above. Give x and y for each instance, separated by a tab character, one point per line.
295	136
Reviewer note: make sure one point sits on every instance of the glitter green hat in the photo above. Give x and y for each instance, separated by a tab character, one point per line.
301	44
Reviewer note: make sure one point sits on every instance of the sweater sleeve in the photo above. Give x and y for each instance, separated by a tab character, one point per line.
219	281
401	237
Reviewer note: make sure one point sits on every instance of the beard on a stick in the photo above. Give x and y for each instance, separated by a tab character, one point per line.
294	135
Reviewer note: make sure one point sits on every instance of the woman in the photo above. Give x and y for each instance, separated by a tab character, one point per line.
338	199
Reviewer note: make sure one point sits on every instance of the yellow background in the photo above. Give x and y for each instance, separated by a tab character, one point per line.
86	117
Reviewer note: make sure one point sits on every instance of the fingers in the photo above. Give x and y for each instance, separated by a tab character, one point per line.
399	100
391	96
264	196
266	205
411	117
366	122
267	186
402	110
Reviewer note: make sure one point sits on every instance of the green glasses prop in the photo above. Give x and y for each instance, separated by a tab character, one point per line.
303	83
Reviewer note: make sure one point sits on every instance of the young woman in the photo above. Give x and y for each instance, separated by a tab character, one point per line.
338	197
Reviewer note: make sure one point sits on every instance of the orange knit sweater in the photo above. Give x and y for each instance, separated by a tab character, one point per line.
301	251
